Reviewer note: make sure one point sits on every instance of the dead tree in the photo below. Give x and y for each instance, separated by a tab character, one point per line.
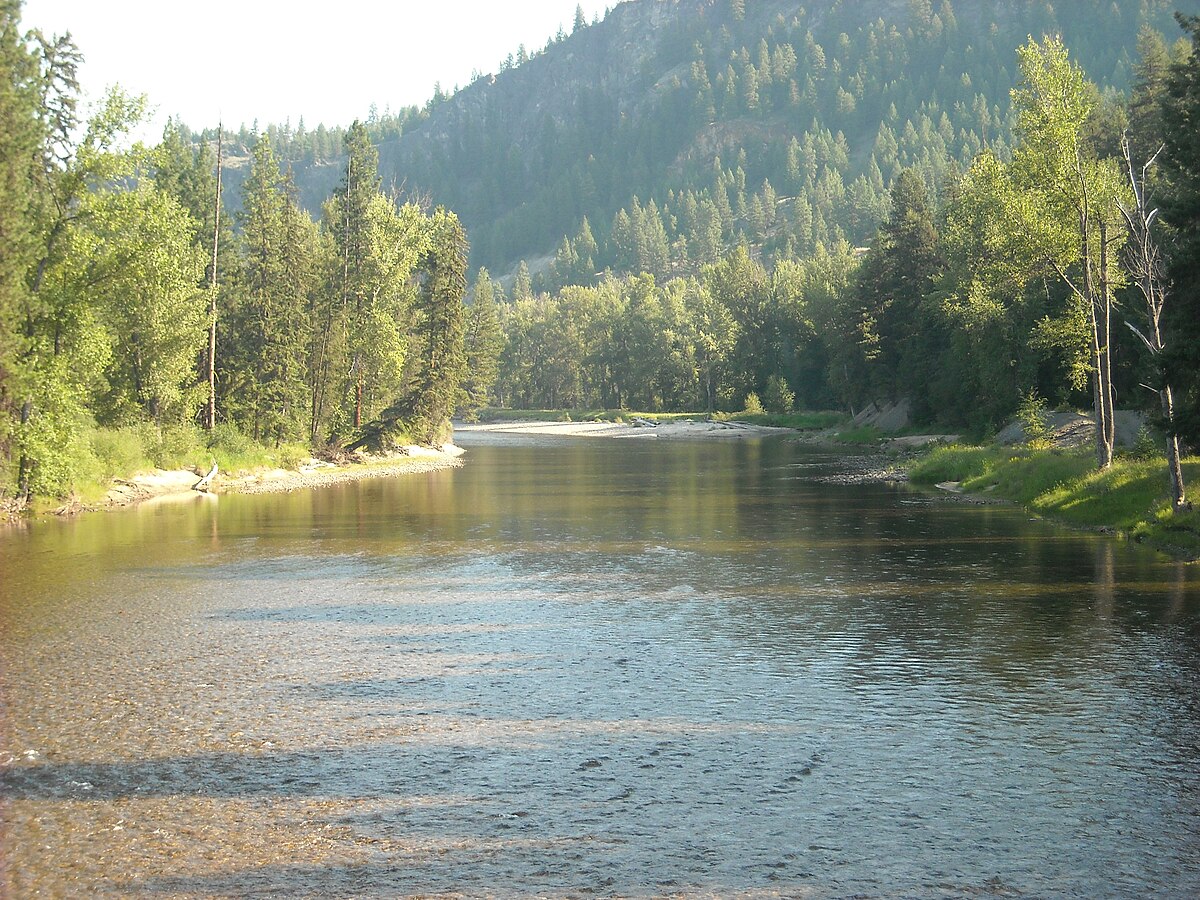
1144	259
210	412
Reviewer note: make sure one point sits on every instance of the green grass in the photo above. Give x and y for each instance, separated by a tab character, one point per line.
800	421
1129	498
953	463
111	453
860	436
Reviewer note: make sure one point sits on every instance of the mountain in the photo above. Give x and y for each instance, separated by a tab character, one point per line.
681	127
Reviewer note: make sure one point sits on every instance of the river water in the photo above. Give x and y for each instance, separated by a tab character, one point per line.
597	668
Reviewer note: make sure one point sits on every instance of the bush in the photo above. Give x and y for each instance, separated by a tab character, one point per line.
176	446
1032	415
753	406
293	456
779	398
1146	445
120	451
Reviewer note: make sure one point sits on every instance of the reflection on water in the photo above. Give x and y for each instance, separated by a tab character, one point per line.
597	668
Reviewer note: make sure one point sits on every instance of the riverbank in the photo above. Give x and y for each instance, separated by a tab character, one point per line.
636	428
1062	485
166	483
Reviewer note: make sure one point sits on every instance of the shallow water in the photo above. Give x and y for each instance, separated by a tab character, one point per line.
597	668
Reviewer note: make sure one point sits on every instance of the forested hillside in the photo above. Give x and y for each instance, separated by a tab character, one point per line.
679	128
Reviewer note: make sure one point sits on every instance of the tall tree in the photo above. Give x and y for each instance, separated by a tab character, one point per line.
1145	261
1076	199
484	343
435	366
348	218
23	136
270	344
894	282
1181	212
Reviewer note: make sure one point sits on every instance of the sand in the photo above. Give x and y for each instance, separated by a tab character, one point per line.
680	429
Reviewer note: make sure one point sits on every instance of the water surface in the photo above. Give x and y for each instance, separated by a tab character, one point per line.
597	668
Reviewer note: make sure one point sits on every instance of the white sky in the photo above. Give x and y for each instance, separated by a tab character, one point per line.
241	60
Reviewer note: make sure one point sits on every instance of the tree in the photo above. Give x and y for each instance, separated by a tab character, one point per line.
150	296
483	344
1145	262
894	283
714	335
23	137
1181	212
271	341
522	286
185	170
348	215
62	345
1074	197
740	284
439	358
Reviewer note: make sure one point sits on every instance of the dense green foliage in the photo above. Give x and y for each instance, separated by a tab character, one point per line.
1017	286
107	288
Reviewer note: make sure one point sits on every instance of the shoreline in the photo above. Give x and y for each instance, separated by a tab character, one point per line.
175	484
481	434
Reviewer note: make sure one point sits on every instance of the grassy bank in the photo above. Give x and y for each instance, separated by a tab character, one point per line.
104	454
1130	498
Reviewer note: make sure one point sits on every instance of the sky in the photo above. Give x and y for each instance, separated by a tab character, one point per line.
279	60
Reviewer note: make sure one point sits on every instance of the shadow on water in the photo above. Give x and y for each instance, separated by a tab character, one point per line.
344	772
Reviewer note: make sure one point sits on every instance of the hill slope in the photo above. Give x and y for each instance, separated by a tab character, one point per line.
710	121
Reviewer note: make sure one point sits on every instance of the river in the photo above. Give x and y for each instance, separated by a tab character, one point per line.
596	668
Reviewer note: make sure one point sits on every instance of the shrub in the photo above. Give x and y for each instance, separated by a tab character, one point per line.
1032	415
120	451
778	397
753	406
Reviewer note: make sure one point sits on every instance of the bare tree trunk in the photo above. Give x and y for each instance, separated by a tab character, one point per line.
1145	263
210	414
1174	468
25	466
1106	396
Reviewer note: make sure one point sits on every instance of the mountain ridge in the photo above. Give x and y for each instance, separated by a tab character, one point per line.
643	103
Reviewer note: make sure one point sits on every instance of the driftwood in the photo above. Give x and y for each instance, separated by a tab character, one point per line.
203	483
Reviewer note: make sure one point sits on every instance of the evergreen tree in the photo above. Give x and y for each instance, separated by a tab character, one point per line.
270	342
895	281
522	285
439	358
348	218
483	344
23	135
1181	212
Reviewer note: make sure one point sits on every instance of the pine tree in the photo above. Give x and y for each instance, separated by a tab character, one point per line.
1181	212
271	340
348	220
522	285
22	135
484	342
439	358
